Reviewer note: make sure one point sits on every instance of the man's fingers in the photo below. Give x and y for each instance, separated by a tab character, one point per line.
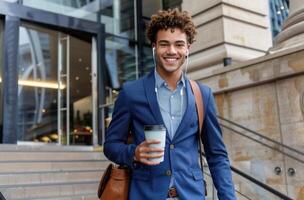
150	149
145	151
148	162
148	142
151	155
152	163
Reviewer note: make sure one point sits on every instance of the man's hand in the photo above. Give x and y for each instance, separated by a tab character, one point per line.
143	152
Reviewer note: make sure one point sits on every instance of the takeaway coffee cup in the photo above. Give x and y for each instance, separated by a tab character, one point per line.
156	132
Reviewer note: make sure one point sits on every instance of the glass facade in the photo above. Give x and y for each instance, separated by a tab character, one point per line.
278	10
55	71
75	8
117	15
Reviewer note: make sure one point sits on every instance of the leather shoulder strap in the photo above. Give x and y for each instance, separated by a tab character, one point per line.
198	102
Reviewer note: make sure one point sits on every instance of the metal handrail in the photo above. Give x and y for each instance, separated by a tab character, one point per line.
257	182
2	197
262	136
261	184
260	142
234	188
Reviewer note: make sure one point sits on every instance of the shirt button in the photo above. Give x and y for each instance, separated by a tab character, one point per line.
171	146
172	97
172	117
168	172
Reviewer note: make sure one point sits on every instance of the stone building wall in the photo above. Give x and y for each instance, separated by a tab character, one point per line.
265	95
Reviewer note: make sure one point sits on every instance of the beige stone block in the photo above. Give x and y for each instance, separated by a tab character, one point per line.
199	60
253	108
293	134
197	74
258	6
295	61
289	92
244	15
242	53
296	192
208	15
196	6
295	6
209	35
243	34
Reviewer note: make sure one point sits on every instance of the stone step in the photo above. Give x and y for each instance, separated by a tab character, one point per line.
70	197
9	180
51	165
51	191
50	172
44	156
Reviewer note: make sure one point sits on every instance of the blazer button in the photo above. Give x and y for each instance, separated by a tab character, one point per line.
168	172
171	146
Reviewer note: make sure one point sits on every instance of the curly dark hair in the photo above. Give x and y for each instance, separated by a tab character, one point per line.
165	19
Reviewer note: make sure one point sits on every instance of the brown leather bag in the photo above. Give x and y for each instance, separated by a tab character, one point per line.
114	183
199	103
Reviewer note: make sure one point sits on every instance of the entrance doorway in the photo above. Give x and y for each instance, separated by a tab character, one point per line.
55	81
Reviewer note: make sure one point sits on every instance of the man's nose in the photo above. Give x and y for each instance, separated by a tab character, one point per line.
171	49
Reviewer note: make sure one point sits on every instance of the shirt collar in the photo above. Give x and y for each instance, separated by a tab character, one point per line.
159	81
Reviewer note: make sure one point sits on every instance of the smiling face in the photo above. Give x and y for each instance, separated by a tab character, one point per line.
171	49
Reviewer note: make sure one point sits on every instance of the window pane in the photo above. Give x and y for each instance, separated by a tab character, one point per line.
80	92
1	62
120	60
37	85
148	60
76	8
10	1
279	10
118	17
150	7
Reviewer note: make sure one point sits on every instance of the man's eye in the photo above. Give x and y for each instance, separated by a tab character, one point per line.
180	45
163	45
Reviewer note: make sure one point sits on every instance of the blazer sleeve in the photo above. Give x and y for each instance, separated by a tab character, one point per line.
215	149
116	148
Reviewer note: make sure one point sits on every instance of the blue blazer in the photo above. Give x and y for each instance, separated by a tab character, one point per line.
137	106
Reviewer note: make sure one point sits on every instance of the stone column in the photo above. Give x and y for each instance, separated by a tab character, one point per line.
228	31
292	34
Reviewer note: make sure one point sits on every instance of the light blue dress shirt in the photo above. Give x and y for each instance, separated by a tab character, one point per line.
172	105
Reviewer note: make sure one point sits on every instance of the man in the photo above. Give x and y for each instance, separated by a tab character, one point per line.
165	97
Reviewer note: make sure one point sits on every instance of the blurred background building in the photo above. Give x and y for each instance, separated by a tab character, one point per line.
62	63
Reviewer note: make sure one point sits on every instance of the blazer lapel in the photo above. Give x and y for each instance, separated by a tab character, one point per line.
149	85
188	116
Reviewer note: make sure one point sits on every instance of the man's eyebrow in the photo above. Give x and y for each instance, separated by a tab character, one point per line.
163	41
180	41
166	41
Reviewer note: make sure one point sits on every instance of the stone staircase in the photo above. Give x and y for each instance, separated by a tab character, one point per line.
50	172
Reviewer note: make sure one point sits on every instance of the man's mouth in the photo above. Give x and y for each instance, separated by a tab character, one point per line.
171	60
